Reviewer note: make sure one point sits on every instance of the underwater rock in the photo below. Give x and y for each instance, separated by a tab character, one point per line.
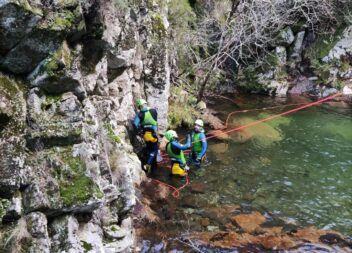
219	148
219	134
198	188
249	222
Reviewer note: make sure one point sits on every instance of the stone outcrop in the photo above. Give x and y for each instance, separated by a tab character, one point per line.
303	63
76	69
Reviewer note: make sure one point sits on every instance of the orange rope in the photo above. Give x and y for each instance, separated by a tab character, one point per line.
176	191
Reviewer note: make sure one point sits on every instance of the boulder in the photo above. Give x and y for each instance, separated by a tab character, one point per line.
328	92
64	185
278	89
55	120
298	47
15	23
58	73
38	39
14	211
302	85
37	228
347	90
281	55
249	222
285	37
342	48
64	231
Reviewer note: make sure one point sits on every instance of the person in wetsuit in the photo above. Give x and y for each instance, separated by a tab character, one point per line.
145	122
175	151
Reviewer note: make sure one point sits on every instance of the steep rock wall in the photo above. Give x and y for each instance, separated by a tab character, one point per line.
71	73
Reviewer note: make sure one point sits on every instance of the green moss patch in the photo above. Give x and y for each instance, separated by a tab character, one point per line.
60	60
111	134
158	25
86	246
182	114
75	186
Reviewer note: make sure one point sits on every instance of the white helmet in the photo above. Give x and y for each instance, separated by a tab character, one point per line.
199	122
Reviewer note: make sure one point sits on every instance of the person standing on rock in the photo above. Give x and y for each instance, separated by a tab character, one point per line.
145	122
199	144
175	151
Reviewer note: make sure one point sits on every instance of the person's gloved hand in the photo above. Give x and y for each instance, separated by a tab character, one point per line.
186	168
147	168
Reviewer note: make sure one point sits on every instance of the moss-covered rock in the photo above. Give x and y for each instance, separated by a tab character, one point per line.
12	126
34	40
55	120
65	185
15	23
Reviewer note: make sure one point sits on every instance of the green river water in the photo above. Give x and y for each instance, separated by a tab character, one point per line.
296	169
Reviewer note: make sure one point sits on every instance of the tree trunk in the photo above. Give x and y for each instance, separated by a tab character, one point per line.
234	6
203	85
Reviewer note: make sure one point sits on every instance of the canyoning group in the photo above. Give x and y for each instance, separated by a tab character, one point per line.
146	125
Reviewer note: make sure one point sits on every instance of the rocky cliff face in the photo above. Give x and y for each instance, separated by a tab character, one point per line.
70	73
302	62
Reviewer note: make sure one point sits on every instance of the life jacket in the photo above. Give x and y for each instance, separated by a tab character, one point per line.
196	142
176	155
147	120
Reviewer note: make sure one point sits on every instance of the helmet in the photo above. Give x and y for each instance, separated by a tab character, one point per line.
141	102
199	122
170	135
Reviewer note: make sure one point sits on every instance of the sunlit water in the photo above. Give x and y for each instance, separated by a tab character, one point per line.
297	167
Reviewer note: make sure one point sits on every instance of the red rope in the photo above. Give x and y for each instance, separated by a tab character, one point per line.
176	191
274	116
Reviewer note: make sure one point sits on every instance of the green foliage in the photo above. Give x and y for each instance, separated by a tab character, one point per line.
113	137
87	246
4	204
182	114
323	44
270	62
183	22
158	25
62	21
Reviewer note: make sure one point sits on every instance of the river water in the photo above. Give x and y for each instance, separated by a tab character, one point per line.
295	169
298	167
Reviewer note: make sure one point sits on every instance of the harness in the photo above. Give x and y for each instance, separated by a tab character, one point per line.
148	122
175	158
196	141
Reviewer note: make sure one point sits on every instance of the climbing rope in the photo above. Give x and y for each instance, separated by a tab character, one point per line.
176	191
